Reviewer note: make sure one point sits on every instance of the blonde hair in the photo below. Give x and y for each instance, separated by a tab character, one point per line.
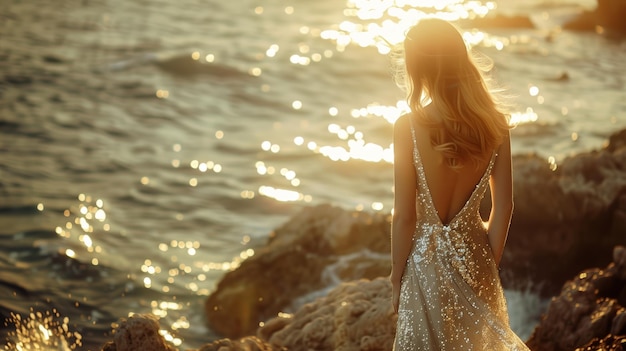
438	68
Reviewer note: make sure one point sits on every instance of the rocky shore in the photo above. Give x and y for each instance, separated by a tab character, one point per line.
566	219
589	314
606	19
319	282
608	16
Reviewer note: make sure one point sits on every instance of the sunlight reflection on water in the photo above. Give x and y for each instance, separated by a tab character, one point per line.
46	331
188	264
178	267
367	23
380	25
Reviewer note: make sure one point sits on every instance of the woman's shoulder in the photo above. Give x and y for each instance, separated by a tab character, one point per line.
402	120
403	125
409	121
402	129
405	121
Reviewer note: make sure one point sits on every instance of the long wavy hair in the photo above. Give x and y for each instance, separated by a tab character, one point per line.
439	69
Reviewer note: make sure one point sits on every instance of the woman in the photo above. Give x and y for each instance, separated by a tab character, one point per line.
448	150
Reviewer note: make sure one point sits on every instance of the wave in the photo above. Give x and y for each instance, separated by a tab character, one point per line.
183	65
41	284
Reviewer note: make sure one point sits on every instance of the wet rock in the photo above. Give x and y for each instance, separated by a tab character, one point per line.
619	323
608	15
609	343
617	141
354	316
576	213
138	333
588	315
619	257
249	343
317	248
588	310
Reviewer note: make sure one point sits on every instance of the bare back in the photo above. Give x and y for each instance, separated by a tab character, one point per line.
449	189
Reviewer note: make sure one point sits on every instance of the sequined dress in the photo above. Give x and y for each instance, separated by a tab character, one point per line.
451	297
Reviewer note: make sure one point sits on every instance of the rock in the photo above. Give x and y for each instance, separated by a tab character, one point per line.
585	21
249	343
138	333
576	213
588	310
317	248
619	257
354	316
619	323
608	15
357	315
617	141
609	343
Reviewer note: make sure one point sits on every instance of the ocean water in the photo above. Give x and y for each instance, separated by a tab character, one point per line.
147	147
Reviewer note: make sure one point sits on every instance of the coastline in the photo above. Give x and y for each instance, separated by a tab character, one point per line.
324	270
105	213
589	314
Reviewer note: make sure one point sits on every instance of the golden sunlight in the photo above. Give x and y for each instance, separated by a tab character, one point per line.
383	24
169	337
528	116
42	331
283	195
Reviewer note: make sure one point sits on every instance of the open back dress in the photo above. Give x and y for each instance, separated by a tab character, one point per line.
451	297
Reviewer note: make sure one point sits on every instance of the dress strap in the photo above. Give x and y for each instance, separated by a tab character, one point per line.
415	153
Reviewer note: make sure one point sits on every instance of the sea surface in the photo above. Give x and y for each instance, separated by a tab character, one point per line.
147	147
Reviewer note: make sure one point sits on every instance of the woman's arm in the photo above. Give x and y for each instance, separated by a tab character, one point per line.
404	215
501	183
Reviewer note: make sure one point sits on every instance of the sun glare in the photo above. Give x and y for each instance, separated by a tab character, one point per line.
42	331
382	24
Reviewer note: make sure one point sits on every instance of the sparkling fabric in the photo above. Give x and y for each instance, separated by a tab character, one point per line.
451	297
